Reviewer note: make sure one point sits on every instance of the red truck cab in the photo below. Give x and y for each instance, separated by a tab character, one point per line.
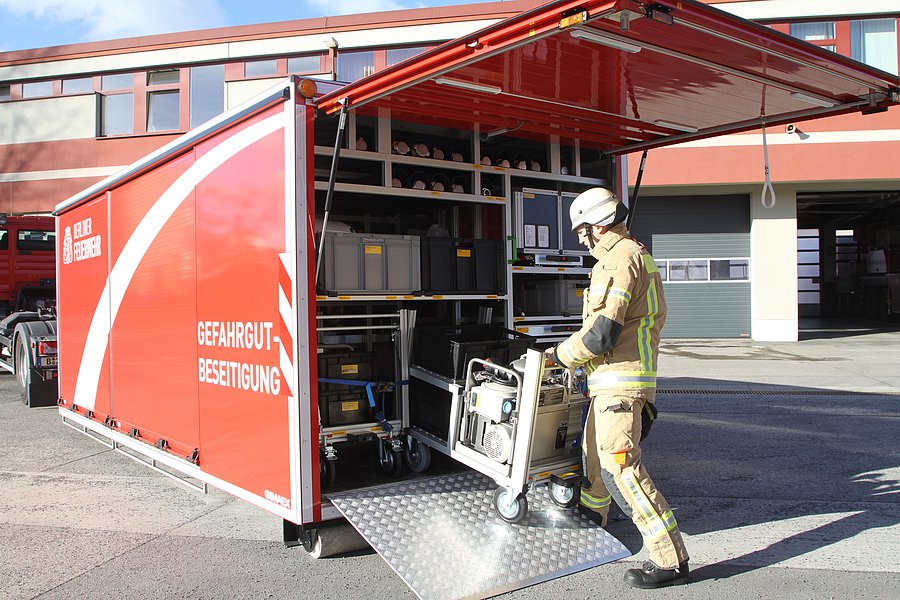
27	262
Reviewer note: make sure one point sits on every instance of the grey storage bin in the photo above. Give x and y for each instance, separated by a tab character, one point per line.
573	296
551	297
363	263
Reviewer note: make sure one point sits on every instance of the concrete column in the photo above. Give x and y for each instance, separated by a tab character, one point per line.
773	266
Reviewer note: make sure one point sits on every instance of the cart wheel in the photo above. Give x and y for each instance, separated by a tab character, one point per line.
511	512
418	456
327	472
391	462
562	496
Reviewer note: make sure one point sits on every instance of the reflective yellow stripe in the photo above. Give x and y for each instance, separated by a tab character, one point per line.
567	355
653	525
646	325
622	293
649	264
592	502
603	380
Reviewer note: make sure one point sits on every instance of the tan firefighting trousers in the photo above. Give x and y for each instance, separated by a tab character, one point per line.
613	467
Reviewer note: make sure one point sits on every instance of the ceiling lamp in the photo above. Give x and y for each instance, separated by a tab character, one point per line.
599	38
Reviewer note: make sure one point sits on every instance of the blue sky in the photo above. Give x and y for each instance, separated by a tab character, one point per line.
39	23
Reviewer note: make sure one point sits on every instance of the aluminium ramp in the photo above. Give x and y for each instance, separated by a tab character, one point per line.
442	536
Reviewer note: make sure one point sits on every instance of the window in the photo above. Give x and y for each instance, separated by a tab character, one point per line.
117	114
729	269
36	240
163	110
874	42
5	93
37	89
166	77
311	63
688	270
355	65
77	86
395	55
816	33
123	81
808	266
207	93
812	32
704	269
261	68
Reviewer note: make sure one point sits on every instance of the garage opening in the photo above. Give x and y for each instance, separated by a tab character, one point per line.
848	262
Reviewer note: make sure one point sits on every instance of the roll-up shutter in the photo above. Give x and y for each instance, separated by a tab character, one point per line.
702	245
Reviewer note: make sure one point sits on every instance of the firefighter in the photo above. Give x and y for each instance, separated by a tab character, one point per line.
617	345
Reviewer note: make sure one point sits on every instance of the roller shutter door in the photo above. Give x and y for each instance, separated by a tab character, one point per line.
702	245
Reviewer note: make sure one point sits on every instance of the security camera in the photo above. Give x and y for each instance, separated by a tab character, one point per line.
790	128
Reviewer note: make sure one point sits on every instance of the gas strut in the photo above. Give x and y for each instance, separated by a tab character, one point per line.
329	195
637	191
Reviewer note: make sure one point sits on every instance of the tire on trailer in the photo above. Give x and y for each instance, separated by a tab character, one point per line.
22	365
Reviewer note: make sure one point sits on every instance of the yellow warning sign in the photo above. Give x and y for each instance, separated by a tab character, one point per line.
349	406
463	252
373	249
349	369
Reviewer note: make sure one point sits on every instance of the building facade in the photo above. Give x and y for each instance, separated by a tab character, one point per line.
741	258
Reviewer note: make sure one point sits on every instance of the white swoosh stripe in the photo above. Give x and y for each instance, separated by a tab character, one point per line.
133	253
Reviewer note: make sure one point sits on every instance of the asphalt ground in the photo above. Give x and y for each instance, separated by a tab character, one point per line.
781	461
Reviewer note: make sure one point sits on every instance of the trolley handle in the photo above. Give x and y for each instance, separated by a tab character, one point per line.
470	380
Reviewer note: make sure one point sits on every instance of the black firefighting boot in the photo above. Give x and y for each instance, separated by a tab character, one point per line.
650	576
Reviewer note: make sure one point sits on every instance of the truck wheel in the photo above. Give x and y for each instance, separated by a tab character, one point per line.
510	510
23	368
418	456
339	539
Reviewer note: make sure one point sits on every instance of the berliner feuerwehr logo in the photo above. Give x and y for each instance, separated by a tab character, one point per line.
67	246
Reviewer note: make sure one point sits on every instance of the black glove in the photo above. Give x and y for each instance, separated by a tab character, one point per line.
648	416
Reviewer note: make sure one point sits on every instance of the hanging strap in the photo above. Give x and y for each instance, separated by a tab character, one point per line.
767	186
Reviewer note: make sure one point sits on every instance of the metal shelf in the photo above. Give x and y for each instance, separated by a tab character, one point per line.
550	270
393	297
545	320
457	166
381	190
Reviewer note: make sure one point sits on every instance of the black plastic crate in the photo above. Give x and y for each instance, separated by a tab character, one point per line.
462	266
429	408
348	406
448	350
356	366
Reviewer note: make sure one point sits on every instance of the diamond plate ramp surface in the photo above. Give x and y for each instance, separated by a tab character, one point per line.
446	541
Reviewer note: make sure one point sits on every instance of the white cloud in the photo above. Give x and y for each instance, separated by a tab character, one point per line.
107	19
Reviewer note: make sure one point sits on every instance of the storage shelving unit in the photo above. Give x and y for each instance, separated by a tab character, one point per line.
482	207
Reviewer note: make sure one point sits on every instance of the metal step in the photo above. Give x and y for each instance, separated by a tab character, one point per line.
442	536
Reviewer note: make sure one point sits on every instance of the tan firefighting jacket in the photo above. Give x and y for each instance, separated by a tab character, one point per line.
624	312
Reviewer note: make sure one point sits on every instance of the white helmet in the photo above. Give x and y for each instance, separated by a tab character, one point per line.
597	206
